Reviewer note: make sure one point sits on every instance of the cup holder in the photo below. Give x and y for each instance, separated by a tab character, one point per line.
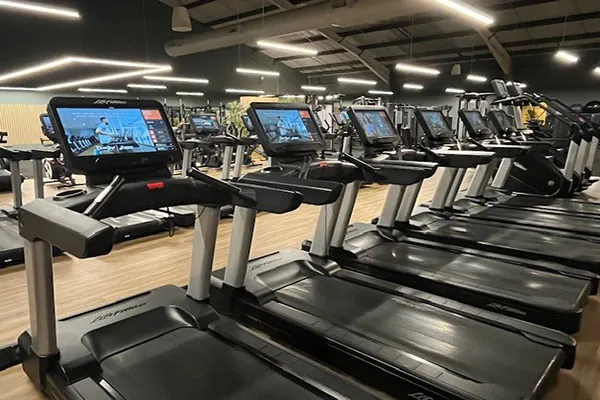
69	194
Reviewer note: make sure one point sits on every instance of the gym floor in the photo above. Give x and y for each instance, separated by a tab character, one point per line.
140	265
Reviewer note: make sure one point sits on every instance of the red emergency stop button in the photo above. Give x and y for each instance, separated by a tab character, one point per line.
155	185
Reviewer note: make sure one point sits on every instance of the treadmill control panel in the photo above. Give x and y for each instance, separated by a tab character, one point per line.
205	123
373	125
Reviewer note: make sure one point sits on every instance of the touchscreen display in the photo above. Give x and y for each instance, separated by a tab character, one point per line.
503	119
288	126
207	121
436	122
375	123
106	131
248	122
47	124
475	120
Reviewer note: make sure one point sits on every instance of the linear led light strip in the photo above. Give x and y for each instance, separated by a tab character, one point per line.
40	9
313	88
197	94
468	11
250	71
416	69
286	47
247	91
100	90
381	92
412	86
476	78
455	90
176	79
566	57
357	81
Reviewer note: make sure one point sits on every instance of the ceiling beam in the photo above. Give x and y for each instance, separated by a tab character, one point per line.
379	70
198	3
500	54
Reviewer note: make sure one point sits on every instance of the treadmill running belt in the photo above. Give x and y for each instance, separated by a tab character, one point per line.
500	235
476	351
585	225
551	203
192	364
11	243
488	276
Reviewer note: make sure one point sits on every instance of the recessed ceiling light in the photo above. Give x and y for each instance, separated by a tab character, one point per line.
20	89
40	9
454	90
313	88
357	81
286	47
596	71
416	69
476	78
412	86
144	86
197	94
566	57
247	91
99	90
104	78
176	79
381	92
250	71
468	11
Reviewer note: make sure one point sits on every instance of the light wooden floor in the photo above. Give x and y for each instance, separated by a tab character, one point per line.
136	266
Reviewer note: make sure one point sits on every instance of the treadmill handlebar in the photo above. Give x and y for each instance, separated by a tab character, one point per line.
75	233
458	158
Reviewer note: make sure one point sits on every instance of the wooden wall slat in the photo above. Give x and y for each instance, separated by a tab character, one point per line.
22	122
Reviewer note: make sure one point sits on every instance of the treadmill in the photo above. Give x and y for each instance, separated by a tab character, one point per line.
538	292
11	243
167	343
477	130
408	343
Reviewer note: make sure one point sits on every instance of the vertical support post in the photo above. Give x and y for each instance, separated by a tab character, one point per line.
345	213
186	163
582	156
38	178
387	219
40	290
325	227
239	161
479	180
227	154
15	182
408	202
589	164
242	231
570	162
203	251
503	173
460	177
347	144
443	189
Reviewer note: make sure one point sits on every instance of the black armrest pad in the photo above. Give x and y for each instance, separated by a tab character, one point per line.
68	230
399	173
463	159
314	191
14	154
42	152
507	151
270	199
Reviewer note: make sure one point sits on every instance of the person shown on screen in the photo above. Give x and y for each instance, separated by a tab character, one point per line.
105	132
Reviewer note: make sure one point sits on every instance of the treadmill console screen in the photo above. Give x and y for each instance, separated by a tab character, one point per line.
205	122
375	123
248	123
106	131
283	126
503	119
475	120
437	124
47	125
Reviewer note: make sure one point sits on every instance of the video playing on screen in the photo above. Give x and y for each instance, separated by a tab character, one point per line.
106	131
48	124
205	121
476	121
436	122
288	126
375	123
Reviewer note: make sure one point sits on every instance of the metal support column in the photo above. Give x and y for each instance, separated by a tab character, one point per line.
239	161
325	227
38	178
345	213
227	155
15	181
503	173
186	163
460	177
40	290
242	231
411	194
395	193
441	193
203	249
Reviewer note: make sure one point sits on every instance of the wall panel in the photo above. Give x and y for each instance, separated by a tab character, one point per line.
22	123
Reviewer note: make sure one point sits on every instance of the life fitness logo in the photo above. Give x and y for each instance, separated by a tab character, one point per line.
104	101
420	396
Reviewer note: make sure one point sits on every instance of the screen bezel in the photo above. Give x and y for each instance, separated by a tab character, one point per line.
45	126
462	114
247	122
114	163
493	114
426	129
204	130
366	139
284	149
